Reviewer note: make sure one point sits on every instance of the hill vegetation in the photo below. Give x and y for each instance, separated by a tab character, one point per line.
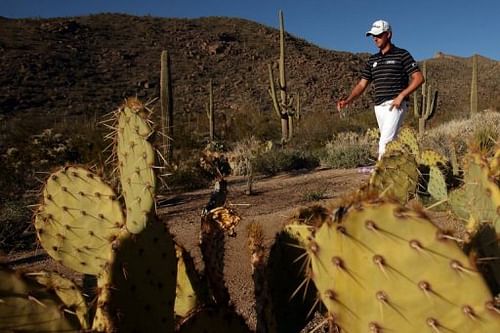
61	76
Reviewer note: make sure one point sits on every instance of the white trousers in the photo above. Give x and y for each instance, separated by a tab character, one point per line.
389	122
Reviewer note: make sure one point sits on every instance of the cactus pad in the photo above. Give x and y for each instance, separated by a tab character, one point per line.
380	267
431	157
408	137
482	191
135	163
78	219
27	306
437	184
396	176
67	291
186	299
137	288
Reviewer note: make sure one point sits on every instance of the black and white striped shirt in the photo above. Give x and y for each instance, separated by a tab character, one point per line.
389	72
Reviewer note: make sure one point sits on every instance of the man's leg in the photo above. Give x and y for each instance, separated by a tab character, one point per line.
389	122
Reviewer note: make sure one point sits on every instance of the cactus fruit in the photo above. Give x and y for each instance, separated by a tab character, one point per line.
395	175
68	293
135	163
381	267
28	306
137	288
78	219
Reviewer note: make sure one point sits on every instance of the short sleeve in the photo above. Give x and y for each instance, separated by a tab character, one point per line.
409	64
366	73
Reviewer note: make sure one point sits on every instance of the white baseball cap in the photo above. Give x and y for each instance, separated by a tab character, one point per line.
379	27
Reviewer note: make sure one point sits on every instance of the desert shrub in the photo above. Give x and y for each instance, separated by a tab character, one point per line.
187	176
348	150
345	157
315	195
462	132
274	161
317	127
245	152
485	138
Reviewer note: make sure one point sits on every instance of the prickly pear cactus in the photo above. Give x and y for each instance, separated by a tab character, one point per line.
408	138
78	219
136	159
431	157
395	175
137	288
186	298
28	306
482	193
436	185
495	163
67	291
380	267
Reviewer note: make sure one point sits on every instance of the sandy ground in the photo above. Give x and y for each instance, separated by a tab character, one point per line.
274	200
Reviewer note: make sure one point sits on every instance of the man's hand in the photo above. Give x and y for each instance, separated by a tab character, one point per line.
341	104
396	102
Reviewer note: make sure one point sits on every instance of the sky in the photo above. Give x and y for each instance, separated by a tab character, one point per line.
425	27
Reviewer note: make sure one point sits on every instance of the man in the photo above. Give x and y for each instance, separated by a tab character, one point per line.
395	75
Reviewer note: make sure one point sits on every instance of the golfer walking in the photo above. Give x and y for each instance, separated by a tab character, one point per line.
395	75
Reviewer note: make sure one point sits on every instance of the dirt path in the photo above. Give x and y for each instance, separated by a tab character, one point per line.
275	199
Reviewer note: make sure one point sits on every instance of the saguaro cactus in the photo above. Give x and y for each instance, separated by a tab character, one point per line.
210	111
283	105
428	105
167	107
473	86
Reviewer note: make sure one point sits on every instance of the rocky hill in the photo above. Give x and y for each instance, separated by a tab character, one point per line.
90	63
71	66
74	70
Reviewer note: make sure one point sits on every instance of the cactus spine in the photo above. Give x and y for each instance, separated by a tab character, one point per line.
473	86
27	306
210	111
78	219
283	106
428	105
167	107
373	261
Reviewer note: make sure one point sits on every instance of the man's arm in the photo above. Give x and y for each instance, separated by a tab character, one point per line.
416	80
356	91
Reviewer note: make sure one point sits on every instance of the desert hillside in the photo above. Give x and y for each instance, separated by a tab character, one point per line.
81	65
61	76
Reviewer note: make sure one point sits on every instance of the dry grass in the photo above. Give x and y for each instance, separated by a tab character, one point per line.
461	133
349	150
